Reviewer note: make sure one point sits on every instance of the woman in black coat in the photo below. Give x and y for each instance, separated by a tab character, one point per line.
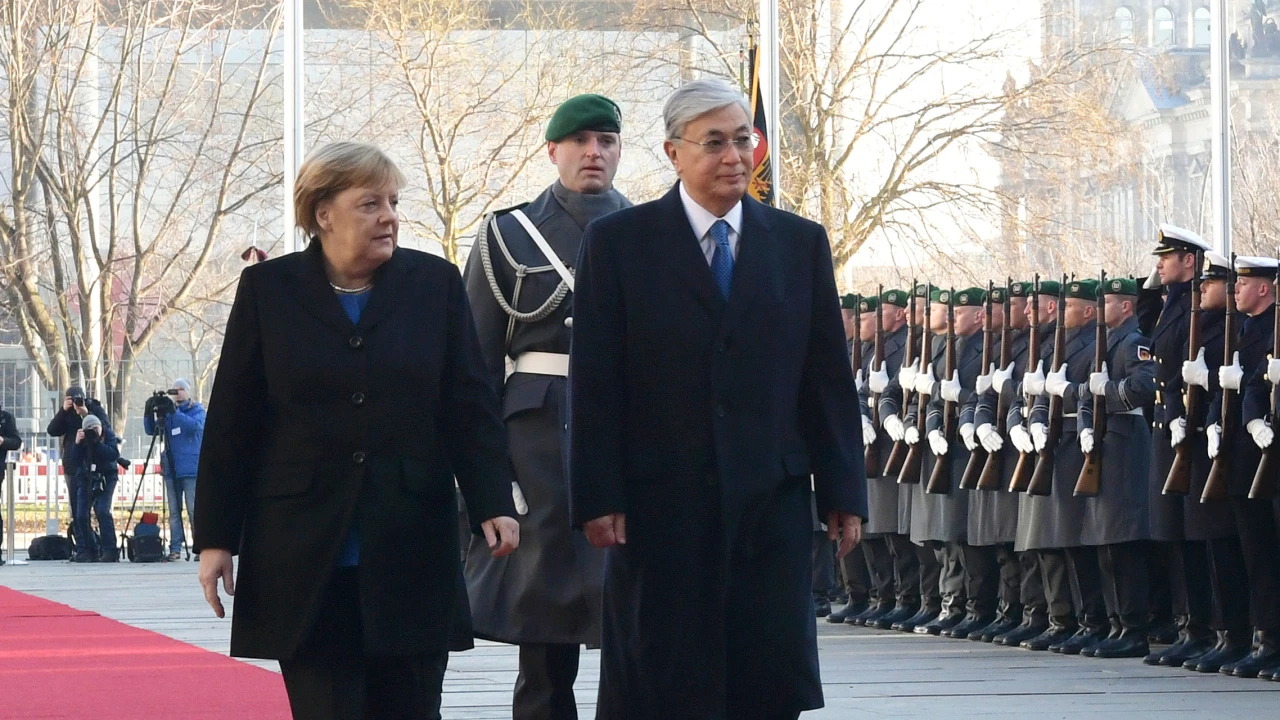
349	396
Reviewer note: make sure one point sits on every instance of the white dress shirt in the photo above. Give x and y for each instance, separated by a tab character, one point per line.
701	220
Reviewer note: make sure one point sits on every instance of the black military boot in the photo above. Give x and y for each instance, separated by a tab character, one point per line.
874	611
1265	655
1130	643
822	606
1083	638
971	624
1059	630
925	615
1232	647
1108	630
1163	633
1191	645
845	613
1034	622
946	620
1006	620
897	615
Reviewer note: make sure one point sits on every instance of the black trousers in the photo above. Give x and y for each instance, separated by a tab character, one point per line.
930	576
1159	570
544	686
1086	587
1031	587
1190	584
1056	580
1256	524
906	569
1125	585
332	678
824	567
981	580
1230	581
951	580
878	561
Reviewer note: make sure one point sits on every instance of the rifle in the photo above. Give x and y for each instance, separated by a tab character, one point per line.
1215	488
1264	480
940	478
1042	479
1090	480
911	467
994	467
978	456
1026	461
877	362
1179	480
899	452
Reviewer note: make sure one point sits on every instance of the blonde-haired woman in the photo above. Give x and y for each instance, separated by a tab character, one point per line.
350	393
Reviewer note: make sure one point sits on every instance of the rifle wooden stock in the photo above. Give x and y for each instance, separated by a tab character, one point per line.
1026	466
1090	480
940	477
1264	480
1179	480
1042	479
978	456
912	467
1215	487
993	469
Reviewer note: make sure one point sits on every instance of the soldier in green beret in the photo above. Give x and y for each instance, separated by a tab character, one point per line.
546	599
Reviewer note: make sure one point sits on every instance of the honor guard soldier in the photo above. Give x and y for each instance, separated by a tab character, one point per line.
545	598
1117	521
889	554
1179	568
993	510
1211	522
1255	517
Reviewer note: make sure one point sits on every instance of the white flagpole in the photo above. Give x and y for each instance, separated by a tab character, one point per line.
1220	119
294	128
769	87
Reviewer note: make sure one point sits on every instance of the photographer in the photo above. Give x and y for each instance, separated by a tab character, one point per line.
181	423
9	440
76	406
93	457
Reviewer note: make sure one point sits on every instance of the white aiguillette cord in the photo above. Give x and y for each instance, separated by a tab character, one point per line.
541	242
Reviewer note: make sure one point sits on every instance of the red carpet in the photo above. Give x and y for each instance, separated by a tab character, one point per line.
59	662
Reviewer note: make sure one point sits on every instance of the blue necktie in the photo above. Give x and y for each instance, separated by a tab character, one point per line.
722	259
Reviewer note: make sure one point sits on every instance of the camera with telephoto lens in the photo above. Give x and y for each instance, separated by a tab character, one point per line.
159	404
77	401
91	435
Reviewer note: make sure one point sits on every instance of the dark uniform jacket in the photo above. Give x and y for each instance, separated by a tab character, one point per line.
892	402
702	420
1254	343
993	515
1164	316
1119	513
1057	520
9	437
316	423
882	492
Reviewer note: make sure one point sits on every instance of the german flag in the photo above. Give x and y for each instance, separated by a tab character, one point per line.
761	185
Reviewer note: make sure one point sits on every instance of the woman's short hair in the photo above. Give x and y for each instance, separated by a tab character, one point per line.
698	98
334	167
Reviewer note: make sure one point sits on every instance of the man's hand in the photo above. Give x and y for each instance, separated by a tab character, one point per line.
1177	432
925	381
215	564
502	533
937	443
1196	372
907	375
1021	439
966	434
847	527
607	530
868	431
1033	382
857	380
67	404
983	383
1213	439
894	427
1056	383
1261	432
1230	376
990	439
912	435
950	389
878	382
1086	441
82	410
1098	381
1000	377
1039	436
79	436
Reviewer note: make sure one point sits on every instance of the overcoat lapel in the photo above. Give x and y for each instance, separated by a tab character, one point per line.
680	251
757	267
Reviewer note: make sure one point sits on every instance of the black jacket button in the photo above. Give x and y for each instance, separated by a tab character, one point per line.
355	341
357	399
358	458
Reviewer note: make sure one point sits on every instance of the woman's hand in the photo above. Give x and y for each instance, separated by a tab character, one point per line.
502	533
216	564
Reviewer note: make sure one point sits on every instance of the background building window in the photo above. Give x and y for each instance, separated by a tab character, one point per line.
1201	27
1124	24
1164	28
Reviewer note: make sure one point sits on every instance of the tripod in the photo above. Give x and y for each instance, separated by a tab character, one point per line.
124	534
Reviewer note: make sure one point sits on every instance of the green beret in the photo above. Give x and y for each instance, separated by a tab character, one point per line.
1021	289
850	301
1050	287
999	295
584	112
1083	290
970	297
939	295
869	303
923	290
897	298
1121	286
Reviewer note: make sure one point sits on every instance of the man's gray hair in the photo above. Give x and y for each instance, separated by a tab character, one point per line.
698	98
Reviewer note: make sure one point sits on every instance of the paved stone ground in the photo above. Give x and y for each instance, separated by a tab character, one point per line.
866	673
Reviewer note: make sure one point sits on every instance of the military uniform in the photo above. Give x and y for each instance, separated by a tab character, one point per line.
1117	522
547	596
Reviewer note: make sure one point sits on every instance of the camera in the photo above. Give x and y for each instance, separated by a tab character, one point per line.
159	405
77	401
91	435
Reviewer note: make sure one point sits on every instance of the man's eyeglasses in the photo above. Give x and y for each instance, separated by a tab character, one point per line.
715	146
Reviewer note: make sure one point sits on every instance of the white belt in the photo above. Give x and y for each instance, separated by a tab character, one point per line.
1135	411
541	363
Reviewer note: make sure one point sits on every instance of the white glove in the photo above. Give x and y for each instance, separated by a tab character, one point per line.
1086	441
966	434
925	381
868	431
1196	372
1098	381
894	427
857	380
1056	383
937	443
990	439
984	381
1153	280
907	375
1020	439
1230	376
950	389
1213	435
1273	371
878	381
912	435
1261	432
1000	377
1033	383
1039	435
1177	432
522	507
